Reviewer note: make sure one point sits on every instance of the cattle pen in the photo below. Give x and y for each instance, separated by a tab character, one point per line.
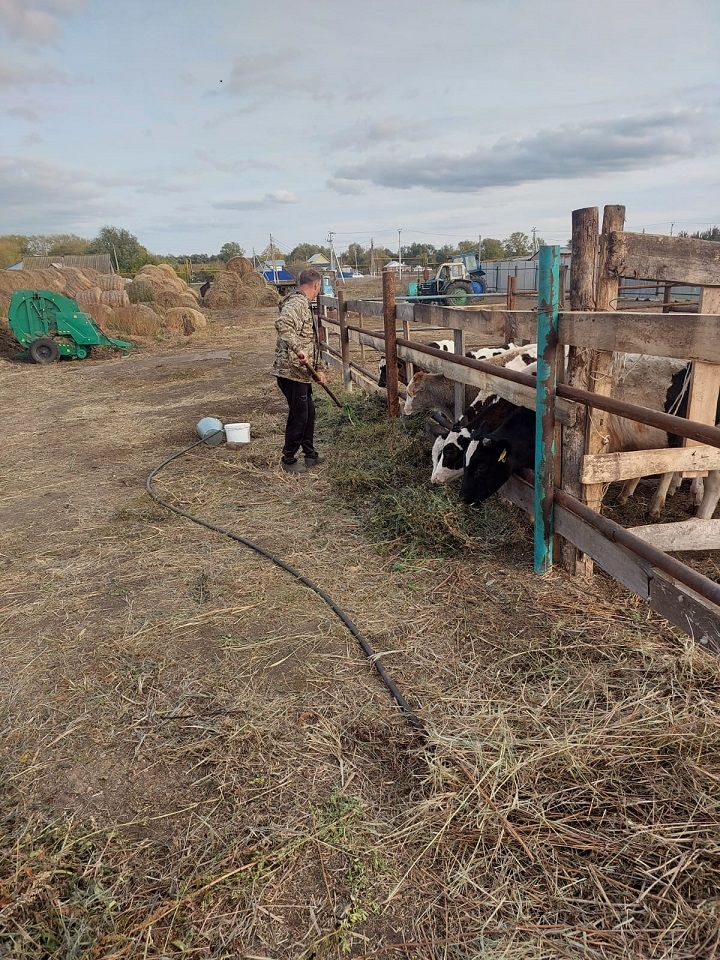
573	400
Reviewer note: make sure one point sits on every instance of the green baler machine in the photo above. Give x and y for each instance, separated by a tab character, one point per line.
49	326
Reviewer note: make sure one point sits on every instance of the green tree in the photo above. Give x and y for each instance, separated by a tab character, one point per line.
420	253
123	245
303	251
356	253
712	234
446	252
12	249
67	244
230	250
467	246
492	249
517	245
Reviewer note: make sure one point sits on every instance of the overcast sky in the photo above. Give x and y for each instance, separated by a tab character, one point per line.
191	123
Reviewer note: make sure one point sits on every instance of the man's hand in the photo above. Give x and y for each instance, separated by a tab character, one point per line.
322	377
302	358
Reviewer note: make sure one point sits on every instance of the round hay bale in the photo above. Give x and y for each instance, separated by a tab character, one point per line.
184	320
88	297
141	290
217	299
240	265
115	298
136	320
168	271
110	281
100	312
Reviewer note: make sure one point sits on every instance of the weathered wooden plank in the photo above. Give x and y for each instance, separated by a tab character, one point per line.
669	259
705	379
369	308
583	267
684	336
686	609
390	321
601	366
459	347
517	393
631	571
489	327
691	534
368	339
611	467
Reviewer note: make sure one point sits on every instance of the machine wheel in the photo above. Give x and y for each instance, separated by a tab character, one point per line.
457	294
44	350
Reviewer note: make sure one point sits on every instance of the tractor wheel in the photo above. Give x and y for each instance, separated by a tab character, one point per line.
457	294
44	350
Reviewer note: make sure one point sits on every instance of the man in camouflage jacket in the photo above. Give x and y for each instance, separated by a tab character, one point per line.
297	343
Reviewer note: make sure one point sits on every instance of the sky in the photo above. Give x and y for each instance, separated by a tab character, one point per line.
192	124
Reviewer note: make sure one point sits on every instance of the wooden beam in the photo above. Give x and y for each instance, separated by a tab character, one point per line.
691	534
390	319
517	393
344	342
668	259
601	367
690	612
684	336
583	266
489	327
459	348
612	467
705	378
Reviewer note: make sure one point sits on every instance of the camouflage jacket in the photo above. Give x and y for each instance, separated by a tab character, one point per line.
296	334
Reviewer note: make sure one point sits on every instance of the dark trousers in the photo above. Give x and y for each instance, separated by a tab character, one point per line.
300	426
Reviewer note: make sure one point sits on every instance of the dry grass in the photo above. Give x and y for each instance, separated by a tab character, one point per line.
196	761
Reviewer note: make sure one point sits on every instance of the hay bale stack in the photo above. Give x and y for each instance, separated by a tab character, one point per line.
135	320
231	288
240	265
184	320
141	290
87	298
110	281
115	298
168	290
101	313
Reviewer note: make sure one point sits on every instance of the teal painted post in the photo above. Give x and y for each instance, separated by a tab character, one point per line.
547	341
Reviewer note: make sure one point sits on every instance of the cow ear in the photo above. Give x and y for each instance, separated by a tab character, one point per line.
503	456
486	441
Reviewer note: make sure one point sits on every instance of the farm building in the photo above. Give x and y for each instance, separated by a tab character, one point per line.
319	260
94	261
525	269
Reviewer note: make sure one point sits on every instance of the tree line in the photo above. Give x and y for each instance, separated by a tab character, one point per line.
125	249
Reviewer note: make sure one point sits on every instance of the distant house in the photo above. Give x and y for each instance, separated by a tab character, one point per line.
319	260
94	261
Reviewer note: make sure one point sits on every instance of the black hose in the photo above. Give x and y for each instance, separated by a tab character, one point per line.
407	711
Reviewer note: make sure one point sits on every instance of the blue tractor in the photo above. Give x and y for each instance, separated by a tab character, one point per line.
456	283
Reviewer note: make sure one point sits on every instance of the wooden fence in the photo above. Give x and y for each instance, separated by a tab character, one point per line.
572	400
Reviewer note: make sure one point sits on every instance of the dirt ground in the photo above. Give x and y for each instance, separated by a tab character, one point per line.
197	761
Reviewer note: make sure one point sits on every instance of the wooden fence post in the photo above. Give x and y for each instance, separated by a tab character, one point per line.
601	370
459	347
666	297
344	341
547	340
510	292
563	284
583	265
390	318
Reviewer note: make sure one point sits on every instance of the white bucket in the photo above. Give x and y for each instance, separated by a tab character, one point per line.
237	432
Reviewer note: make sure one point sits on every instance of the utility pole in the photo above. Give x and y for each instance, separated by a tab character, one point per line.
534	241
479	247
672	227
399	254
272	257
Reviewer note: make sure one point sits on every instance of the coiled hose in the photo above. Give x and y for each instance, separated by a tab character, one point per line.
367	649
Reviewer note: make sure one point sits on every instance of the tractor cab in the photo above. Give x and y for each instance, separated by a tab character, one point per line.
452	285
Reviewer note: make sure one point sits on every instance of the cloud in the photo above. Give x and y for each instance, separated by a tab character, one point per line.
344	186
36	20
282	196
278	72
277	196
567	152
21	75
40	197
367	133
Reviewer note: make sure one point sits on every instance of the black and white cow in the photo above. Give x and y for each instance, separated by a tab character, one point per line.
492	456
489	411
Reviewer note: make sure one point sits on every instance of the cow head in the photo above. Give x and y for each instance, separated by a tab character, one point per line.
488	464
449	455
